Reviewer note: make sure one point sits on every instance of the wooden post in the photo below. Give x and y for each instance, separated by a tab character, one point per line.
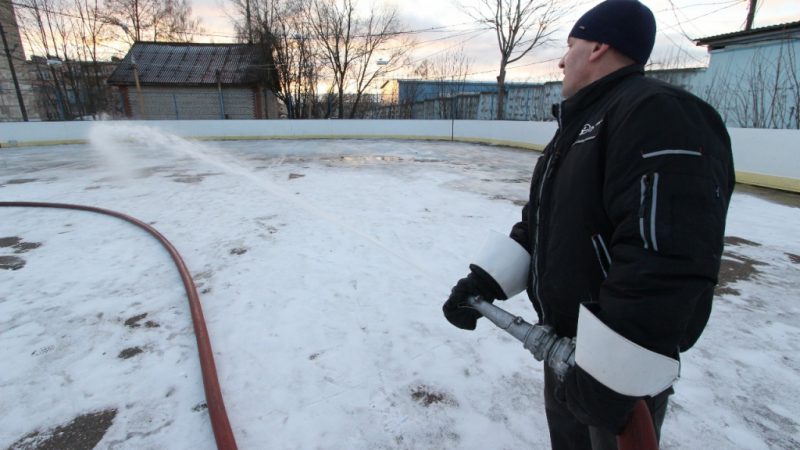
138	89
221	100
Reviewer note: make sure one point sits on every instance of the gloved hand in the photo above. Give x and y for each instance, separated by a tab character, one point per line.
477	283
594	404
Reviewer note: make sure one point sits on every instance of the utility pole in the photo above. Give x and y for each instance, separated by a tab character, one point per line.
138	88
751	14
14	75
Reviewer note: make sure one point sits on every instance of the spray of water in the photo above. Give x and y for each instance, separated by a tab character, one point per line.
119	144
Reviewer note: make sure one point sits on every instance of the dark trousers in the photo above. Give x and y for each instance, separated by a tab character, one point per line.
566	433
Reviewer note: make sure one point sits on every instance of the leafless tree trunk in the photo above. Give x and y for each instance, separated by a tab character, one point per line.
520	26
350	45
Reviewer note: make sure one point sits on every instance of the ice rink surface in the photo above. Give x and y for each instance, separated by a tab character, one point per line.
322	266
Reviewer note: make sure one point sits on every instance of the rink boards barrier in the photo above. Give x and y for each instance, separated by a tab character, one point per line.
763	157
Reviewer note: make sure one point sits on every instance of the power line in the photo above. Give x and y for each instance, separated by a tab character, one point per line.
516	67
690	20
442	28
675	9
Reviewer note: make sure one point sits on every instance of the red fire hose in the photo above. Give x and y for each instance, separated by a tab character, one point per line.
638	433
216	407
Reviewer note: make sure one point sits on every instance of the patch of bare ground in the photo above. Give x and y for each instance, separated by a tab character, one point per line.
21	181
129	352
10	241
735	240
517	202
23	247
795	259
133	322
8	262
82	433
11	263
199	407
427	396
735	267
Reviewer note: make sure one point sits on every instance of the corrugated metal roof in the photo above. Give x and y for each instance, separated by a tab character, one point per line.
179	64
752	33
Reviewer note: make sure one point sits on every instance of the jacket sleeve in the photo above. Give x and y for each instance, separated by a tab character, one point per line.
668	181
519	232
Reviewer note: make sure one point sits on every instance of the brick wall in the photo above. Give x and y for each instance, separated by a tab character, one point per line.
9	103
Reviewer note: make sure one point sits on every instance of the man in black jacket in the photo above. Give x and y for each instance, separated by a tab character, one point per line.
625	220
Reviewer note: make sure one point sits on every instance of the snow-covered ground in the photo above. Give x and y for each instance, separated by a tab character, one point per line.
322	267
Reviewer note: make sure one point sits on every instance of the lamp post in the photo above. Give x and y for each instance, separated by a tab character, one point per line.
378	93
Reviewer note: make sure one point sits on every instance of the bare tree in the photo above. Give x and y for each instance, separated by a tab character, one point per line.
449	71
155	20
279	28
38	20
296	60
65	30
92	30
350	45
64	37
520	26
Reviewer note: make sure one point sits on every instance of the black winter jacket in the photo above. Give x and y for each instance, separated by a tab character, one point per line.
627	208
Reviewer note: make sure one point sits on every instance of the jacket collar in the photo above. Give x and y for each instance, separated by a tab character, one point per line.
585	97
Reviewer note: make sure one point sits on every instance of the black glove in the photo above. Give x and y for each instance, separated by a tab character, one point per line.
477	283
593	403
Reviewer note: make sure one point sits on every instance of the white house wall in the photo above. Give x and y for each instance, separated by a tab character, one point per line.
756	85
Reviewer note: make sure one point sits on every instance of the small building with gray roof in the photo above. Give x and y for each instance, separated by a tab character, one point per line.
165	80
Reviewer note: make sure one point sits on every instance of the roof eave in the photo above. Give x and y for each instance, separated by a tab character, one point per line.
742	36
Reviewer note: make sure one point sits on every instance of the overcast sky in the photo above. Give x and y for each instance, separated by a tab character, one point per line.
689	19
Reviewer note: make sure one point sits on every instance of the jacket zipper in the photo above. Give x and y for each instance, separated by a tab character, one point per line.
535	272
648	201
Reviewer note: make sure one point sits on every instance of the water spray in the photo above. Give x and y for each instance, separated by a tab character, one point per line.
104	137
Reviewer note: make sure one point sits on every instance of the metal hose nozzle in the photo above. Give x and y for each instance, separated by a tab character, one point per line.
540	340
